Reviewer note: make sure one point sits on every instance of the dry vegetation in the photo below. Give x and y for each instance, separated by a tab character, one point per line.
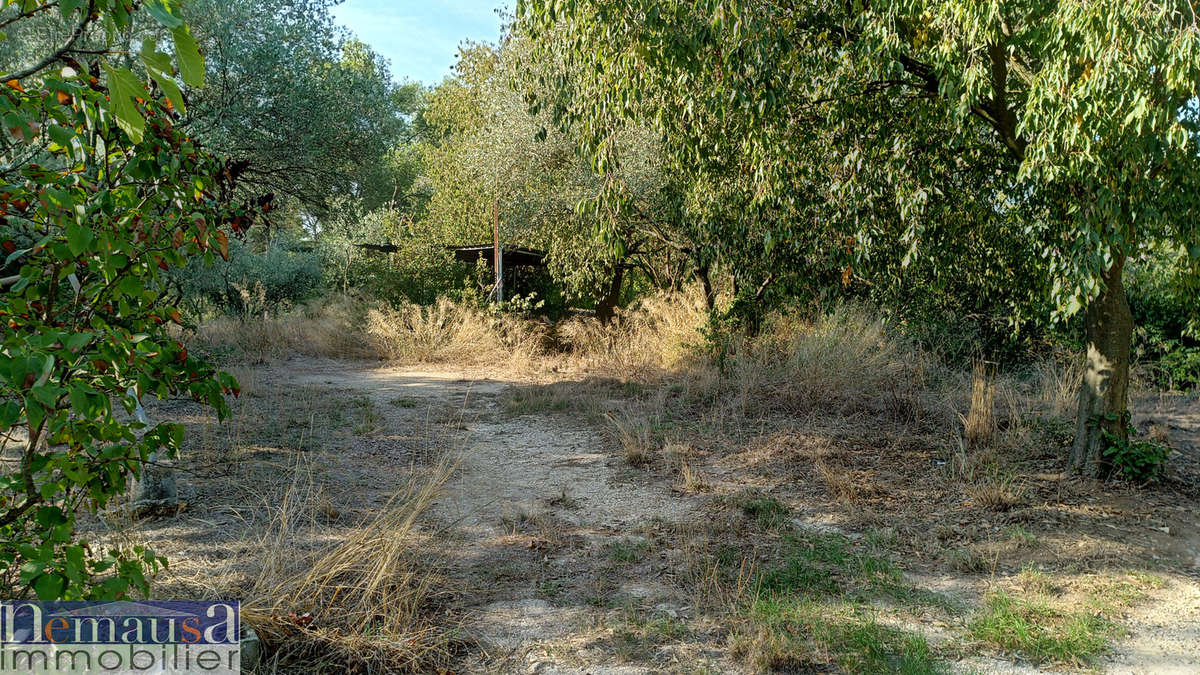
908	467
332	580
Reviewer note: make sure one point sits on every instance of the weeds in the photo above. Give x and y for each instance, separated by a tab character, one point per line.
767	512
1038	620
633	434
365	600
1031	627
789	635
1022	537
628	551
813	607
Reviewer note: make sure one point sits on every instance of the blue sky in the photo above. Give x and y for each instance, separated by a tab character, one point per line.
421	38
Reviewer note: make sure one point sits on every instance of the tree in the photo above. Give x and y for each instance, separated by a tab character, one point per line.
1086	109
306	112
484	143
100	193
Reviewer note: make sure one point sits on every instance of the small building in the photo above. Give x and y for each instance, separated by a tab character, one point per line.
524	269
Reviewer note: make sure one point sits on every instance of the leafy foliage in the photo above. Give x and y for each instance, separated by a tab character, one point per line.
100	194
1031	146
249	284
419	270
1142	461
308	112
484	143
1166	312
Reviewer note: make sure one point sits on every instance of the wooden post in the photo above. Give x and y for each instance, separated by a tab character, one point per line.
498	260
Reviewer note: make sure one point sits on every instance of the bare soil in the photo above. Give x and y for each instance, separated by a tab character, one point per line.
564	558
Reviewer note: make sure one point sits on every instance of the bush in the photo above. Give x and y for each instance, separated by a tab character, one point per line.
1165	315
420	270
1142	461
249	283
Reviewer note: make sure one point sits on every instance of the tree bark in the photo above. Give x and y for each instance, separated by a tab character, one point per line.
154	493
606	306
1103	394
709	295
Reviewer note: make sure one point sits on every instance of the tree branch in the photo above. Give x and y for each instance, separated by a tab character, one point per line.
58	53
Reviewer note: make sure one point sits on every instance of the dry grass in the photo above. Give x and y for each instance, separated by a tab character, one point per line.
632	433
450	332
845	485
643	343
979	425
324	597
1056	384
325	328
842	362
362	603
327	588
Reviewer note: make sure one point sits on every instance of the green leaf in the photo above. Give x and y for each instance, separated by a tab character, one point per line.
49	586
78	238
191	62
158	65
124	87
74	560
68	7
61	135
161	11
10	412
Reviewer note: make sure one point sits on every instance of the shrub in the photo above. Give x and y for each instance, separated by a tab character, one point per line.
249	283
1138	460
1166	341
119	196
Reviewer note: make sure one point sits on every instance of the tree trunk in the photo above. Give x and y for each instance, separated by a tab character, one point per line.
606	306
1103	394
154	493
706	282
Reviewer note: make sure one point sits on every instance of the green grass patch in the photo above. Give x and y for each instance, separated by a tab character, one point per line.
767	512
536	400
1034	622
815	564
627	550
404	402
366	418
1030	626
639	634
803	634
814	608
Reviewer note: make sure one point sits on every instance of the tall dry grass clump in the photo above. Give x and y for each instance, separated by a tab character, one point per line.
660	334
979	424
359	604
450	332
325	328
843	361
1056	381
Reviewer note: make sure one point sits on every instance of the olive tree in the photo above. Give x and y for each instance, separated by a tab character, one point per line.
485	144
306	112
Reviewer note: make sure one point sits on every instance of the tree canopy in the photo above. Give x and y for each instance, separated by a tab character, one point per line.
843	131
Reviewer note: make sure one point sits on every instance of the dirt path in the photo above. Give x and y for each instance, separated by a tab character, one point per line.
540	511
555	539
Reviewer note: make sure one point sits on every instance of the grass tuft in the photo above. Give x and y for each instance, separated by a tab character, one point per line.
767	512
1031	627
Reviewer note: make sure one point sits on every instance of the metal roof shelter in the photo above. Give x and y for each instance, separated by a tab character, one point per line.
514	256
